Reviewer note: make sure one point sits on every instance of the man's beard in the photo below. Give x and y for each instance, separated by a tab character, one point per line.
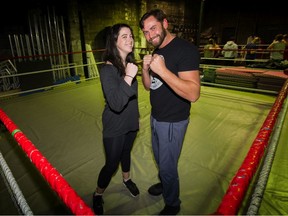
161	38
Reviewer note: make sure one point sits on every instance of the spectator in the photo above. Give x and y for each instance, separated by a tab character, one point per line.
230	49
211	49
277	48
251	48
250	39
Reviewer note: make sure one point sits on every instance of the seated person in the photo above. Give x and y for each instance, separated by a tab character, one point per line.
251	48
211	49
230	49
277	48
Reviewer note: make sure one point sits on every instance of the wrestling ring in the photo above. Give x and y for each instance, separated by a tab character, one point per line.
232	159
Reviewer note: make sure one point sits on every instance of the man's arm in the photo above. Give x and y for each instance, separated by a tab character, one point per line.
146	79
187	85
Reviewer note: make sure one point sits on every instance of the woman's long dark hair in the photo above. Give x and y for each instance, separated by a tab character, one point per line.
111	53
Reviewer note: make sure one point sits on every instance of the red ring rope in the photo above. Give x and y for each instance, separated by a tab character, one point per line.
240	183
52	176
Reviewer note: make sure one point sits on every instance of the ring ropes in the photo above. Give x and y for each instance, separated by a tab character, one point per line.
239	185
13	188
265	171
52	176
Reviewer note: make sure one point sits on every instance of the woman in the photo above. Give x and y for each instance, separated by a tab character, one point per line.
120	117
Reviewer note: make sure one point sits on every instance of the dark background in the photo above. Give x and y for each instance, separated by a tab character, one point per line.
223	19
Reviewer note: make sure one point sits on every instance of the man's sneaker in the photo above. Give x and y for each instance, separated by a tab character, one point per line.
156	189
170	210
98	204
131	186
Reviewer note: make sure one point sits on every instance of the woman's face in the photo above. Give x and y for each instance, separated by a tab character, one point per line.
125	41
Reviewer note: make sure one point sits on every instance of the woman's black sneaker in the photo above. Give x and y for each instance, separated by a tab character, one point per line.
98	204
131	186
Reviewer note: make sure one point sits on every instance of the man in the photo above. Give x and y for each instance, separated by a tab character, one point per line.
172	76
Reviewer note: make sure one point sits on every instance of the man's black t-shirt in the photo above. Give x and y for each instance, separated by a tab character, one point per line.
167	106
